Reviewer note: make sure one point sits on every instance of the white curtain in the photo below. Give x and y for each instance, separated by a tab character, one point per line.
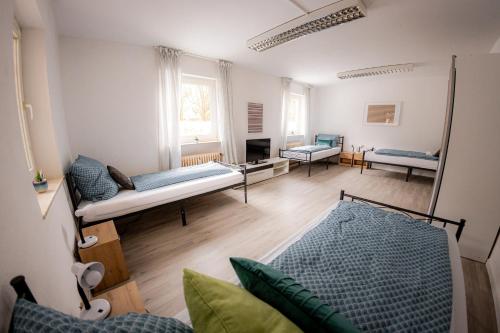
170	81
285	101
225	112
307	116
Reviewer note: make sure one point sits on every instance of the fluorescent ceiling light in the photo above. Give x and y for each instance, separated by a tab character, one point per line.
317	20
390	69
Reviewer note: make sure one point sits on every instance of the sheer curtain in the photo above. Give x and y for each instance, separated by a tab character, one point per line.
285	101
307	115
225	112
170	80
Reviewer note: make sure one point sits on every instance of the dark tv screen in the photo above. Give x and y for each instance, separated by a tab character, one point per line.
258	149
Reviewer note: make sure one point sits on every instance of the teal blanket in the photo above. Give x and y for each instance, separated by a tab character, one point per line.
310	148
406	153
382	270
164	178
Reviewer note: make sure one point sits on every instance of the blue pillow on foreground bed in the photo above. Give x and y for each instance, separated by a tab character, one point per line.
92	179
31	317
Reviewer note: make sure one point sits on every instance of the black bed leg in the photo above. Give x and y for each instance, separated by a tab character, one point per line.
408	174
362	162
80	232
342	192
327	162
310	162
460	229
246	185
183	215
22	290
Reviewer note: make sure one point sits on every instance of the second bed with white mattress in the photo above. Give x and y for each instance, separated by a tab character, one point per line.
130	201
315	156
418	163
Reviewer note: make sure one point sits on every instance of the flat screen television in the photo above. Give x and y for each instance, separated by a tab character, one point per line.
258	150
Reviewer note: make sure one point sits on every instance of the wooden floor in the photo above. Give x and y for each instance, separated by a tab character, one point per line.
220	225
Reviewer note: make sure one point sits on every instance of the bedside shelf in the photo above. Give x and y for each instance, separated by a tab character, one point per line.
351	159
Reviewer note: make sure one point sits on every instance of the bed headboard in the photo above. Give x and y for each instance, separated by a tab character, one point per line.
340	141
73	192
21	287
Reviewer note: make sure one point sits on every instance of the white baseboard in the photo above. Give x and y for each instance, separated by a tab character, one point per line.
494	290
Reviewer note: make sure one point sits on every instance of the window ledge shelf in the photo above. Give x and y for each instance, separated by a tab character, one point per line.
45	199
199	143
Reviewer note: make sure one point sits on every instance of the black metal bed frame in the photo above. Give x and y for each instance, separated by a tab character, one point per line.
76	199
424	217
408	167
308	155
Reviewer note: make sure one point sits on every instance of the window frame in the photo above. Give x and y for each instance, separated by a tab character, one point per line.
22	107
214	133
302	115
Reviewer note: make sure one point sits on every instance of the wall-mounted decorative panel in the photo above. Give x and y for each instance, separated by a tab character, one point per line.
255	117
382	113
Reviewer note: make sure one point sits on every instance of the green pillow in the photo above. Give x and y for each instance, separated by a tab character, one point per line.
290	298
218	306
321	142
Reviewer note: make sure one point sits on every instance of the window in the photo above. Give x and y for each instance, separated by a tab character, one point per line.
296	115
198	118
22	107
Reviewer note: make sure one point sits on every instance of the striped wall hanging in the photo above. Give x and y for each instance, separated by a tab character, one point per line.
255	117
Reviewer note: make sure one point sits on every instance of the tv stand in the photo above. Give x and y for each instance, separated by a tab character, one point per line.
257	162
266	169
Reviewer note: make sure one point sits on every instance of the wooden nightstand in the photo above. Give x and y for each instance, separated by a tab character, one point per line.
124	299
357	159
107	251
351	159
346	158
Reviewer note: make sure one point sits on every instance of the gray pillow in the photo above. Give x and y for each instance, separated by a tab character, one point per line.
31	317
120	178
92	179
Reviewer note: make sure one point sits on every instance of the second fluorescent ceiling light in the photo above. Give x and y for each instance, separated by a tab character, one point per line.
317	20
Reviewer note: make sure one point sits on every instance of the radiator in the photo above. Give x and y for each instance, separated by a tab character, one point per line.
200	158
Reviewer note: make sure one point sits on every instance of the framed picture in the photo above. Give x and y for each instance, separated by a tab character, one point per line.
382	114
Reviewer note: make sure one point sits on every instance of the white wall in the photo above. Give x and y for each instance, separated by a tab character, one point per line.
339	109
493	263
251	86
36	93
110	98
41	249
111	102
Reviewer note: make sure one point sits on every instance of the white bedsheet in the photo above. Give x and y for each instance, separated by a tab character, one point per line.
400	160
459	309
319	155
130	201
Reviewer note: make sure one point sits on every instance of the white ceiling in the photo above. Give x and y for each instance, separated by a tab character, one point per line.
426	32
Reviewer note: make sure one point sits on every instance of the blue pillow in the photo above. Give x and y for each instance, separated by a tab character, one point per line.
332	137
31	317
92	179
321	142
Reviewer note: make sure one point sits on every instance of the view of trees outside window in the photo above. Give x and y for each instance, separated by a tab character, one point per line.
198	114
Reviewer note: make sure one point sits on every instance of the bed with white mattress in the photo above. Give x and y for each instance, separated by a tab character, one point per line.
458	309
129	202
458	322
310	154
410	163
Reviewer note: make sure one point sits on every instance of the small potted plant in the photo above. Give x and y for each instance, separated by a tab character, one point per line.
40	182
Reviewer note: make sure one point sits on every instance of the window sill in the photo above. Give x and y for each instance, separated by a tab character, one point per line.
198	143
45	199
